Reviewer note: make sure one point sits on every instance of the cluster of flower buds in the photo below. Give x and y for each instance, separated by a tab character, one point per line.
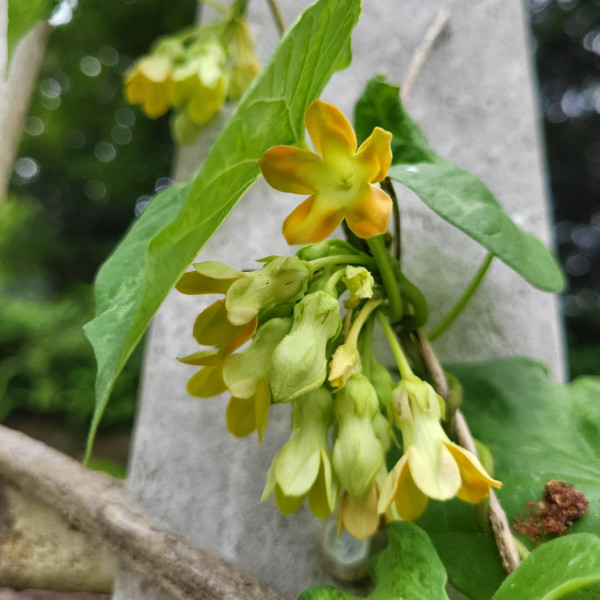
295	348
194	72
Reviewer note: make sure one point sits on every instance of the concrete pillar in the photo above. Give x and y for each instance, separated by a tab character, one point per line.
475	100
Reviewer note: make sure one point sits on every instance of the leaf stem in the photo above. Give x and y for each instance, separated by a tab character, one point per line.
403	366
277	16
463	300
382	258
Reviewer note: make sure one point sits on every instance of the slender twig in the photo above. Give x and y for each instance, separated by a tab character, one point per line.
463	300
388	187
277	16
504	539
422	53
100	506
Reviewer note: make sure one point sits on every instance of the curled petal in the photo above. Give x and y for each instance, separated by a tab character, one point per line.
476	482
287	504
323	494
375	153
290	169
202	358
329	129
308	223
370	217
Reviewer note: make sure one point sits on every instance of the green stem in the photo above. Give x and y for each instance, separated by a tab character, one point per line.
403	366
215	5
388	187
333	281
521	548
337	259
365	347
462	301
277	16
360	320
382	258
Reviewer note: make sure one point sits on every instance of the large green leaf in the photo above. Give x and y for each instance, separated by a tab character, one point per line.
135	280
455	195
554	570
407	569
23	15
537	430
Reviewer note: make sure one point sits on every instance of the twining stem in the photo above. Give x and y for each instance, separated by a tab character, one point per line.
334	280
403	366
338	259
277	16
388	188
504	539
382	258
463	300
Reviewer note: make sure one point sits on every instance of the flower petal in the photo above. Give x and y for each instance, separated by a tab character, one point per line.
400	490
287	504
212	328
323	494
476	482
241	419
209	277
358	514
290	169
309	222
297	466
207	382
202	358
375	153
370	217
262	403
329	128
434	470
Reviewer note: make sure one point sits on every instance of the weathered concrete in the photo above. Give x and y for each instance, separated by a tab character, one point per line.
475	101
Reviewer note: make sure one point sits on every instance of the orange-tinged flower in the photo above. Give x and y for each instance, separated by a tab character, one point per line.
339	178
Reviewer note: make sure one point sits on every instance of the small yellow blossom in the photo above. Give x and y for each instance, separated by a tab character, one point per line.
338	179
432	466
149	83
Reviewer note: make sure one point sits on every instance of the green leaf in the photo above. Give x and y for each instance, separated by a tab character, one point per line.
537	430
407	569
465	202
159	247
22	16
380	106
554	570
455	195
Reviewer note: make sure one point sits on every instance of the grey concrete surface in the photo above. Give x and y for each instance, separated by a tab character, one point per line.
476	102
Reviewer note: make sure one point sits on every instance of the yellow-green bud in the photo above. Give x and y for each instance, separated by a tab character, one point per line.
359	283
299	362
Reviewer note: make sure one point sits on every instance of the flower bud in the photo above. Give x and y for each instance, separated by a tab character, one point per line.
357	453
359	283
299	362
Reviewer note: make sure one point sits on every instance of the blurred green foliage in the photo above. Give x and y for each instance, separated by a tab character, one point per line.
85	159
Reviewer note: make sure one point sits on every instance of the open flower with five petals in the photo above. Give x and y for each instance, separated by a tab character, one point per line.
432	466
339	179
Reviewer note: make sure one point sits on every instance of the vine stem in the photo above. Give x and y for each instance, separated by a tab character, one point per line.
504	539
277	16
381	256
422	53
463	300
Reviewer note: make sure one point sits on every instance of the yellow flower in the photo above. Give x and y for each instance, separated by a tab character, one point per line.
339	179
149	83
432	466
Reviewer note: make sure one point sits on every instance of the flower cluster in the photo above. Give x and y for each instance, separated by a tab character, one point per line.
194	73
295	347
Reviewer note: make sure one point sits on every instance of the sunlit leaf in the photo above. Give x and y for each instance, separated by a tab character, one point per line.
136	279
